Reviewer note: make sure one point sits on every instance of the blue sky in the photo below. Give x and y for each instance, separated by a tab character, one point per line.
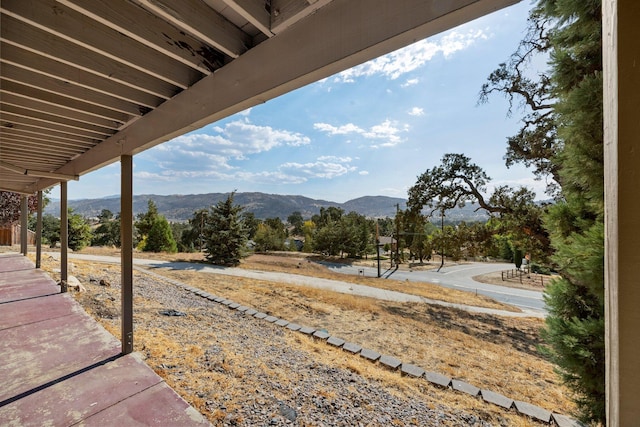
370	130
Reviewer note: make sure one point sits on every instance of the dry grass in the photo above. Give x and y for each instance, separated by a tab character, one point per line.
304	264
499	354
453	342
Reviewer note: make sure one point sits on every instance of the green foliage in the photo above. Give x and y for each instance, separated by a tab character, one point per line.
563	137
575	327
339	234
224	233
296	220
308	230
517	258
160	237
573	330
386	226
79	231
108	231
146	220
155	231
191	237
327	216
179	230
50	228
250	223
80	234
504	247
458	181
268	238
454	182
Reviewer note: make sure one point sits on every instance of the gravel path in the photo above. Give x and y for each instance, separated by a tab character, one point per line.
253	376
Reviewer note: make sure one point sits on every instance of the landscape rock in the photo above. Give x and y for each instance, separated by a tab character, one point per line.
172	312
74	284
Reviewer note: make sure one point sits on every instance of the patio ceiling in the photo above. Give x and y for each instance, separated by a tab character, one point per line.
84	81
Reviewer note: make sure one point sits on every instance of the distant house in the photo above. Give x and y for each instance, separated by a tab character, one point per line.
10	235
388	240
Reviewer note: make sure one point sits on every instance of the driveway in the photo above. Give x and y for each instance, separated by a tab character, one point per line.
459	277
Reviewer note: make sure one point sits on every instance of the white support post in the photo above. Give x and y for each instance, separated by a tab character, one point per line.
621	44
126	239
39	232
24	216
64	237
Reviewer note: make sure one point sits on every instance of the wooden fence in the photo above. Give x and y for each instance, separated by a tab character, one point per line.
519	273
11	236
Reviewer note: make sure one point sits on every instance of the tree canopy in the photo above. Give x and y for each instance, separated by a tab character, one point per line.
11	206
457	181
155	231
562	136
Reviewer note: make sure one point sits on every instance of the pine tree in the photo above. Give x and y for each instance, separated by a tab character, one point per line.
79	231
224	233
108	231
160	237
575	325
155	231
562	137
146	220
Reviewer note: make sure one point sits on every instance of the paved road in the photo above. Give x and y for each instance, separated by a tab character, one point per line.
459	277
316	282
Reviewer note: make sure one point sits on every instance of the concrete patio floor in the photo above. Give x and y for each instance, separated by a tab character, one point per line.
59	367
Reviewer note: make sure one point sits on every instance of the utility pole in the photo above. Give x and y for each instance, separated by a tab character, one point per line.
397	234
441	241
378	246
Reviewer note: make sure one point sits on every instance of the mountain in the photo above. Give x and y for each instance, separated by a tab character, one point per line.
180	207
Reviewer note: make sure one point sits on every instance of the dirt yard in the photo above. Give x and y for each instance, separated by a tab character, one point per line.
229	368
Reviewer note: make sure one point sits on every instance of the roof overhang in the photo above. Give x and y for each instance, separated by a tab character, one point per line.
86	81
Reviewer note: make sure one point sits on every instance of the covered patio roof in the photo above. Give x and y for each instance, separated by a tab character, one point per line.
83	82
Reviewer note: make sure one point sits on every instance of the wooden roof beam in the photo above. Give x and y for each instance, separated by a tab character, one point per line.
29	92
253	11
37	81
26	105
147	29
203	23
46	125
285	13
73	27
19	34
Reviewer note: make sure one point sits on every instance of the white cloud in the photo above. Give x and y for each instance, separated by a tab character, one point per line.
416	111
338	130
235	141
335	159
363	173
410	82
326	169
388	130
455	41
412	57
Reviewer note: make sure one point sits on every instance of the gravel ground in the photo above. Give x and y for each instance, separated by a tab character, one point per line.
240	371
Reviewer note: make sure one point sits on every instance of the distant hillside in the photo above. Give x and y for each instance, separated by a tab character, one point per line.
180	207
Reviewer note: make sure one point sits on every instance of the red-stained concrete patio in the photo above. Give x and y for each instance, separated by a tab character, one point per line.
59	367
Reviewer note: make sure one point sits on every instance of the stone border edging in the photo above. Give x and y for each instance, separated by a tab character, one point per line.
523	408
